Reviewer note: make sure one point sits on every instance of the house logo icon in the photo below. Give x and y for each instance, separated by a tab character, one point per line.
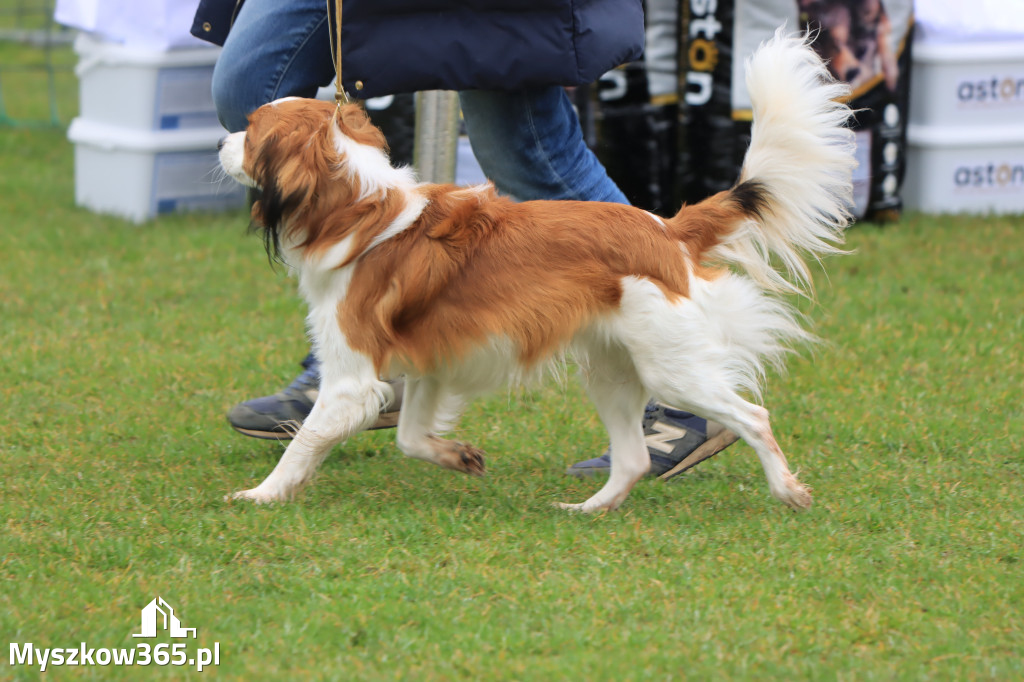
158	614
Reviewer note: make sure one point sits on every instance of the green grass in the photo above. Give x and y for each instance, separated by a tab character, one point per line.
124	346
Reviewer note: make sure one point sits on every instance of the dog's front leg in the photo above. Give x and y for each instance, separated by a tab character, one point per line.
420	407
343	407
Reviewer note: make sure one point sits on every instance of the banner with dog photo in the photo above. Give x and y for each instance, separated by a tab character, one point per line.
866	44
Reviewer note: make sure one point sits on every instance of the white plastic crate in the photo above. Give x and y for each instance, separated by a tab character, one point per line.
967	83
145	89
959	169
141	174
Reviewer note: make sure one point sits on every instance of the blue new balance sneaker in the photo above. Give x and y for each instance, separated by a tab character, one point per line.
279	416
676	440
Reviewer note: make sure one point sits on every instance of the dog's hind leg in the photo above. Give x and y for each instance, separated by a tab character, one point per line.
697	354
421	407
751	423
619	397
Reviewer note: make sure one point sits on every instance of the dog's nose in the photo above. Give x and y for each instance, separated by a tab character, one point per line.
221	142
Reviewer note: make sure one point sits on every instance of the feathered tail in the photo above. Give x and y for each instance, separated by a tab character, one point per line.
795	190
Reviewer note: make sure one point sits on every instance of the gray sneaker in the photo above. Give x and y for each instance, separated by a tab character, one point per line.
279	416
676	441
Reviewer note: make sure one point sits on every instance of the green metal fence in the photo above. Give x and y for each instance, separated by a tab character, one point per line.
36	65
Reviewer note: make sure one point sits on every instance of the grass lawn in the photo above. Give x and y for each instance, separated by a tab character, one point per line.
123	347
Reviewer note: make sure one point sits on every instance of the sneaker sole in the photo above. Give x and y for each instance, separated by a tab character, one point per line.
386	420
262	435
712	446
709	448
587	473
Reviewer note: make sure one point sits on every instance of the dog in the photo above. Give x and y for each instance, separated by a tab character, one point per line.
464	291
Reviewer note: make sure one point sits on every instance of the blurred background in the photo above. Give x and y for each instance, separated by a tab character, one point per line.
938	87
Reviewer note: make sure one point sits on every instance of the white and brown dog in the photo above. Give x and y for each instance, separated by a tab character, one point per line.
463	291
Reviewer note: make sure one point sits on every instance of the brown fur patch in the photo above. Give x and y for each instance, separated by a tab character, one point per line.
477	267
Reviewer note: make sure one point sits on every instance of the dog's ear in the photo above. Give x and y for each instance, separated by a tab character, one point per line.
290	166
268	229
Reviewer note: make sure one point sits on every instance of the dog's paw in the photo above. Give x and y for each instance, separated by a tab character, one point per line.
470	459
449	454
258	495
583	507
794	495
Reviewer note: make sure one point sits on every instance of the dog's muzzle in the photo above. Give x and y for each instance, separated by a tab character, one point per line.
231	153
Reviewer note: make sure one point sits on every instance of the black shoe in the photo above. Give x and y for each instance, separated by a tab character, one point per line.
676	441
279	416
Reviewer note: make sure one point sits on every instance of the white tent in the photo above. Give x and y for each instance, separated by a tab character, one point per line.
977	20
153	24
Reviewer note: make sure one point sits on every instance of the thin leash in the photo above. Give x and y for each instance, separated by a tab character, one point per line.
340	96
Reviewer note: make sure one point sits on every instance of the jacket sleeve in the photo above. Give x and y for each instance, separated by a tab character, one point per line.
214	18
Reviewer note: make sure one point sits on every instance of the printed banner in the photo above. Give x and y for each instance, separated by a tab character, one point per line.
866	43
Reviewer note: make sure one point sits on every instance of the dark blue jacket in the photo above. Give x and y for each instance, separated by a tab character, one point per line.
393	46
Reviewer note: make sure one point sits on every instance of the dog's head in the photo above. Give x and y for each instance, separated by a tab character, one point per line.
308	159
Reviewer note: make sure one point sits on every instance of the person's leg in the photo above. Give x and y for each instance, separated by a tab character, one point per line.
530	145
274	50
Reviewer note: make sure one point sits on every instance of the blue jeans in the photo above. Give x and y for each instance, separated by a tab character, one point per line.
528	142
